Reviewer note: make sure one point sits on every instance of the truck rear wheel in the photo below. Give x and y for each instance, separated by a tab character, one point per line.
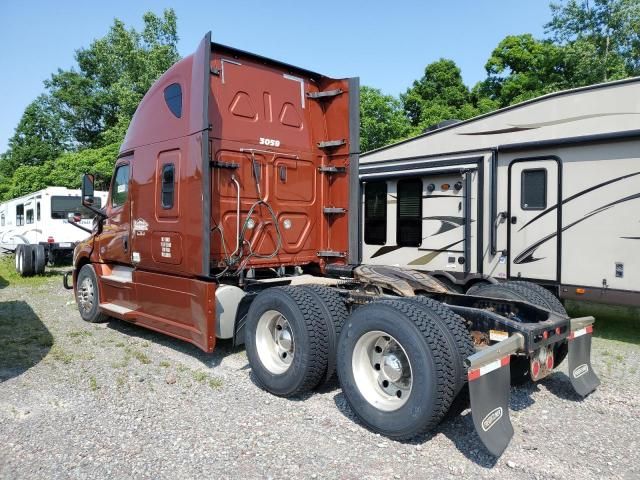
536	295
88	296
287	341
335	311
395	368
460	341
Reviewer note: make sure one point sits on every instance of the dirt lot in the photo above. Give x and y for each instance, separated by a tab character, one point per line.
116	401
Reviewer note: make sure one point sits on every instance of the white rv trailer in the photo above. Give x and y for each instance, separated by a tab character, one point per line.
547	190
41	218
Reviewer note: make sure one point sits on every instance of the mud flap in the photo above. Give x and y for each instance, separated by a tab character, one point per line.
489	390
581	374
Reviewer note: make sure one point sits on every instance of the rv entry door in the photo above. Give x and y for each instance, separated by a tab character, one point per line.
533	219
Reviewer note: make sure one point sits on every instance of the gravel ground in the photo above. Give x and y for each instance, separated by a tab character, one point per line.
116	401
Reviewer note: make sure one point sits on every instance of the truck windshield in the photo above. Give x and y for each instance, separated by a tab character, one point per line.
61	207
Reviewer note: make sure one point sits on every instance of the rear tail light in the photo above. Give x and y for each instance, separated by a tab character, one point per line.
535	369
550	361
50	240
558	330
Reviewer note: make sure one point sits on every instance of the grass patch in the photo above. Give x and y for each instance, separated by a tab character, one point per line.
79	333
9	276
203	377
93	384
58	354
138	355
165	364
612	322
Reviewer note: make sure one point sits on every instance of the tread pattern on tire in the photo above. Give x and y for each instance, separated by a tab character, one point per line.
457	327
555	305
336	307
445	371
334	302
317	334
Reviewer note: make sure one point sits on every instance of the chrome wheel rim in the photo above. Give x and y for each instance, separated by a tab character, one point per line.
275	342
382	370
86	295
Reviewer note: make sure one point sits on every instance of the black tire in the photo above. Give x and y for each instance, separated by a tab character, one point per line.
433	372
334	310
18	260
310	334
27	257
455	332
40	259
536	295
88	296
51	259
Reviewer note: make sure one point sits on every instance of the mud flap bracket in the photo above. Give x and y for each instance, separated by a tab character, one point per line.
489	390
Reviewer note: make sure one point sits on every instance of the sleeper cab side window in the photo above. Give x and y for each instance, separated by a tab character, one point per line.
120	187
173	98
168	186
534	189
375	213
409	232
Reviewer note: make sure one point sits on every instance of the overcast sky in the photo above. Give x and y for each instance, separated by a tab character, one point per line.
386	43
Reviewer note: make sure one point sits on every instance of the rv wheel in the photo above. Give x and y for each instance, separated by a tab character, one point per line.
395	368
88	296
39	259
287	341
25	260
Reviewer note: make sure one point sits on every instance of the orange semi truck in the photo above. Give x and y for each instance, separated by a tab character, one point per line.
234	213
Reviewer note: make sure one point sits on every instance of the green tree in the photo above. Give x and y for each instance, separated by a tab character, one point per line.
114	72
78	124
39	136
440	94
602	34
521	68
382	119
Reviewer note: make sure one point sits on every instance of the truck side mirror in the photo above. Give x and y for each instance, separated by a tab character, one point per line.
87	189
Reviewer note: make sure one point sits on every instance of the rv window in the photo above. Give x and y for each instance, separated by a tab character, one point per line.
534	189
409	231
120	187
166	193
30	216
61	207
375	213
173	98
38	211
19	215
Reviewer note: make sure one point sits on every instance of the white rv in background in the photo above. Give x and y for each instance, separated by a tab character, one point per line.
37	229
547	191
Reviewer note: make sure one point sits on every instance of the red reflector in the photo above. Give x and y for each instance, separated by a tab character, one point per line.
550	361
590	329
535	369
473	374
505	360
545	335
557	330
50	240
